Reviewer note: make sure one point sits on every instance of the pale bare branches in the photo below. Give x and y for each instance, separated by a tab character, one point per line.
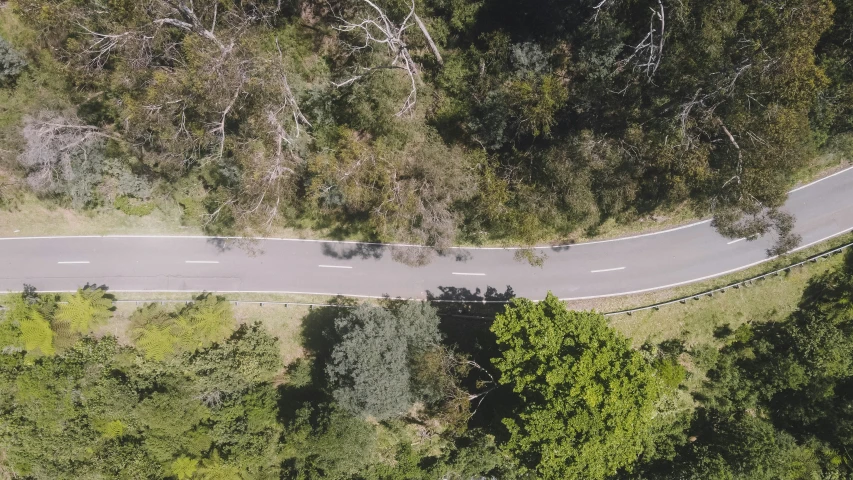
597	8
648	52
377	30
269	165
739	166
53	141
219	128
428	37
190	21
180	14
102	46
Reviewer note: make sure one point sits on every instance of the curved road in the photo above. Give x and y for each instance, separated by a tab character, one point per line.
690	253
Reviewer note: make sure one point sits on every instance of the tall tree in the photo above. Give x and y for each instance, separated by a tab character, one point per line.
369	369
587	398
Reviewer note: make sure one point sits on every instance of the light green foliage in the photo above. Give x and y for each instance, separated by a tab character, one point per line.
161	334
157	341
112	429
26	327
250	356
587	397
205	321
133	207
99	409
184	467
152	331
85	310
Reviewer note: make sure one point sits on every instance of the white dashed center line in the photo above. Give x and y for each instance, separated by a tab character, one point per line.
735	241
607	270
67	263
202	261
475	274
333	266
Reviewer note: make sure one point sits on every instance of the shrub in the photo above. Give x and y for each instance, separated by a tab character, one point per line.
133	207
11	63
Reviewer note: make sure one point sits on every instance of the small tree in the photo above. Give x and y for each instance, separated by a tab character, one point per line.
587	397
12	63
151	328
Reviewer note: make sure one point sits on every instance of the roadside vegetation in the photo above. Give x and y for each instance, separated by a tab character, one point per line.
433	122
745	388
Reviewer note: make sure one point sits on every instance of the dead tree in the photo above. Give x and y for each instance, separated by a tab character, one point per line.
269	173
377	29
648	52
53	141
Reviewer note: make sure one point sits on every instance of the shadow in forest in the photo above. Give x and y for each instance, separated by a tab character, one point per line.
465	323
347	251
318	338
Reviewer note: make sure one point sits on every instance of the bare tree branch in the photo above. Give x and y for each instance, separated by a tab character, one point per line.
380	30
432	45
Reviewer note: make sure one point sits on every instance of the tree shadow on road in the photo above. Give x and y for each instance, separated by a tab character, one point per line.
348	251
460	300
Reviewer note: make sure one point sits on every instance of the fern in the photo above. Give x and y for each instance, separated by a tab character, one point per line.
215	468
184	467
113	429
85	310
36	334
208	320
157	342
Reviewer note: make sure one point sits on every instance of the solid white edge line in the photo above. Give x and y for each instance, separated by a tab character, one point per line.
820	180
607	270
735	241
65	263
202	261
591	297
474	274
353	242
332	266
455	301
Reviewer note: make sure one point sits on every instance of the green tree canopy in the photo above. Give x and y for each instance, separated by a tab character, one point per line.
587	398
369	369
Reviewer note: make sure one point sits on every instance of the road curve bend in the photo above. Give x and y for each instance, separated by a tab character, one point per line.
640	263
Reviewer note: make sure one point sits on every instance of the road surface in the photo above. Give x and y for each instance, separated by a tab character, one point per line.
690	253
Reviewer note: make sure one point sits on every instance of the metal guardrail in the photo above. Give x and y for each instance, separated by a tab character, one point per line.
734	285
237	302
656	306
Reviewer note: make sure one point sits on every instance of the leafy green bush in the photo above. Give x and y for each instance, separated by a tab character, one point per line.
133	207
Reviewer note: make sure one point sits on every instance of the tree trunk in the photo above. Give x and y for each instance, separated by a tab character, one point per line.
432	45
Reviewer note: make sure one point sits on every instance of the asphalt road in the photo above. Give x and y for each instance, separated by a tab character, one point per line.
612	267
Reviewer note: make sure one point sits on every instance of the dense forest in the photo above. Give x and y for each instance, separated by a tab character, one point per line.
430	121
403	391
